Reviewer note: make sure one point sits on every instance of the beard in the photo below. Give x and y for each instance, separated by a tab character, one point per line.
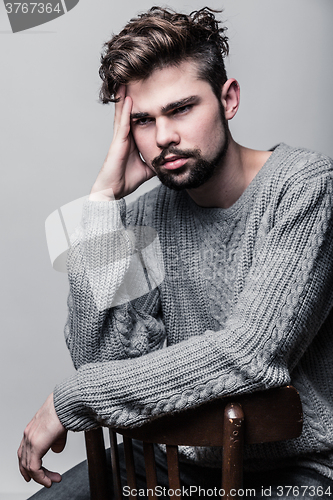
196	171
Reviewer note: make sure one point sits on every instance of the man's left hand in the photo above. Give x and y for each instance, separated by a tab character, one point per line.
44	432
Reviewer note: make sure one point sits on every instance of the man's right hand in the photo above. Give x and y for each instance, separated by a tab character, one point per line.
123	170
44	432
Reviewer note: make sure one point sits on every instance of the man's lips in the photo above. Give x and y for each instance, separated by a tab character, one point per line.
173	162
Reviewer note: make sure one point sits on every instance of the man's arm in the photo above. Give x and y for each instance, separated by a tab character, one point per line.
123	171
286	297
113	288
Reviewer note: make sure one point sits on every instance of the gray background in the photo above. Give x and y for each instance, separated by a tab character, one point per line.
55	135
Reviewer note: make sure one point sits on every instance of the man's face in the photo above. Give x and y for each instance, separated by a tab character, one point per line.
178	126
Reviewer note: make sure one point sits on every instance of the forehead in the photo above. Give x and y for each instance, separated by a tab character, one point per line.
165	86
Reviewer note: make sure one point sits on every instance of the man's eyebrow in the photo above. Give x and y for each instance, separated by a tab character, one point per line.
169	107
180	103
136	116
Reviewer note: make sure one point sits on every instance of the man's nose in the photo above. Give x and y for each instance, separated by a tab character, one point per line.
166	133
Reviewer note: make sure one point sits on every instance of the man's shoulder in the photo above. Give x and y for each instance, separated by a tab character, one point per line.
290	168
297	163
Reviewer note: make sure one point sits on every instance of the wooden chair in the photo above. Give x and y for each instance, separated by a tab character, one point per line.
261	417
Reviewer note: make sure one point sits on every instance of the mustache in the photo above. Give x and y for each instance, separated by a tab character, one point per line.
183	153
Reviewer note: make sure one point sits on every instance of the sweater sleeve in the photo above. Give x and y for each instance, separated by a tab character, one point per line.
286	296
113	273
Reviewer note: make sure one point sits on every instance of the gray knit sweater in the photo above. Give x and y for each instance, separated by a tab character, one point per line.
241	302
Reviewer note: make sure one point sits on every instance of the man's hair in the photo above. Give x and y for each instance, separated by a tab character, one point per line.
160	38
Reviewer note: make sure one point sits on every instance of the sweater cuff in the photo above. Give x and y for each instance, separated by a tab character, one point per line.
69	407
102	217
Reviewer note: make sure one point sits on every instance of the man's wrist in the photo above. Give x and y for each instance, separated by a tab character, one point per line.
98	194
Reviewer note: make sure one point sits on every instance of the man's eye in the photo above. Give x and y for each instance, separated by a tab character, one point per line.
183	109
143	121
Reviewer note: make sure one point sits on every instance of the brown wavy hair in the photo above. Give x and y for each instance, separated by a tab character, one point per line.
159	38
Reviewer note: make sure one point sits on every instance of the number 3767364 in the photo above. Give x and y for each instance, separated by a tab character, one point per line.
32	7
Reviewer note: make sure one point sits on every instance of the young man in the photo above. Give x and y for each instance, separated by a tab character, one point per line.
239	273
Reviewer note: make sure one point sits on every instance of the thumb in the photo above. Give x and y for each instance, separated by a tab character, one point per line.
60	443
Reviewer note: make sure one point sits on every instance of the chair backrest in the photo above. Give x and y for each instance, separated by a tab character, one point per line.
261	417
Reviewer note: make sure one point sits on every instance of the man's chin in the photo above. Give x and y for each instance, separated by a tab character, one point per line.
176	181
185	180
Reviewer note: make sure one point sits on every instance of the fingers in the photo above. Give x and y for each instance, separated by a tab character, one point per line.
31	466
121	94
125	120
120	145
54	477
123	170
122	114
122	129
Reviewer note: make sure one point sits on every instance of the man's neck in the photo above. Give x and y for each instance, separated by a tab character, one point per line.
238	169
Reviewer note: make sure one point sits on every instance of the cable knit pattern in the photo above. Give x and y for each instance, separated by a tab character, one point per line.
244	305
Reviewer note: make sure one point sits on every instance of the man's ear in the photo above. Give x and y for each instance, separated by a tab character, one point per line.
230	96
